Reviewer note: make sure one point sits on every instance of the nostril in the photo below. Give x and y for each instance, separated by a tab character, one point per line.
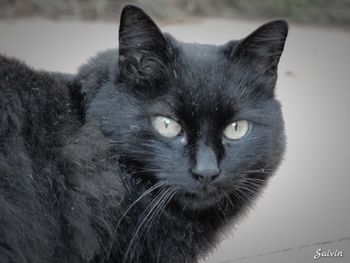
205	176
206	172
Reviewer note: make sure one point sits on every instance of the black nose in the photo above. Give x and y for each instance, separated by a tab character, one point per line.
206	168
205	176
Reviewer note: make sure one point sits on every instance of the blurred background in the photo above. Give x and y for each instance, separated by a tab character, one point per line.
305	11
306	205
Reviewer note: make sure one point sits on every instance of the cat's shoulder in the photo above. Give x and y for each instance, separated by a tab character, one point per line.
17	77
7	63
32	100
14	73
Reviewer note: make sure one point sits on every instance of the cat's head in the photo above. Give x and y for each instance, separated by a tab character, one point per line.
201	119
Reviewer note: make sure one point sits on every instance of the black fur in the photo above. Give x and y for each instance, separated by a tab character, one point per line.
84	177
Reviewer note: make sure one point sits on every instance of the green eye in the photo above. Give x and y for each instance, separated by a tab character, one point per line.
166	127
237	130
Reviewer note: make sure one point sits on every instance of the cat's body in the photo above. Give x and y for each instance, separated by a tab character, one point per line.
86	177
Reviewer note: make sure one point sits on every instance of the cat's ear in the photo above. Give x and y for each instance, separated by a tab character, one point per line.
142	46
264	45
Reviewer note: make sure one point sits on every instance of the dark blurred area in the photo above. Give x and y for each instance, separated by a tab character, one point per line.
335	12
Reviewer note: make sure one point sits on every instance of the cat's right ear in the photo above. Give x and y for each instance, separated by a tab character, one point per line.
263	47
143	50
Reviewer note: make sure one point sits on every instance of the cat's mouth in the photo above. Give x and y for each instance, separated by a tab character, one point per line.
199	200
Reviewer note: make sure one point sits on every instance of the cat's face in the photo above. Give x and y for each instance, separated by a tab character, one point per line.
200	119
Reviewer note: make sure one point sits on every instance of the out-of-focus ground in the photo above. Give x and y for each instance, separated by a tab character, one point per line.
306	205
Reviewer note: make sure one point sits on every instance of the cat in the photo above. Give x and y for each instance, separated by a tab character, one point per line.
147	154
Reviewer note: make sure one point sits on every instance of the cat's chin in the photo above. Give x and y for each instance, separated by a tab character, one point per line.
198	201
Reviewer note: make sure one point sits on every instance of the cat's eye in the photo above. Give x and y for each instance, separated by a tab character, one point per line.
237	130
166	127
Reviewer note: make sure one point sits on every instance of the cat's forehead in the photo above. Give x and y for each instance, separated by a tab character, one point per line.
199	51
200	87
201	72
199	57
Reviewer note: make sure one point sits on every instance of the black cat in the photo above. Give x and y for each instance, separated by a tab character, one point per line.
145	155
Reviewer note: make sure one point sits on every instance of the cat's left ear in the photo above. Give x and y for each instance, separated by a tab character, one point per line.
142	46
264	45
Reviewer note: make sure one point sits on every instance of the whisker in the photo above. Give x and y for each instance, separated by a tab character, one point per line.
167	199
227	197
223	213
262	170
144	194
244	195
148	191
145	215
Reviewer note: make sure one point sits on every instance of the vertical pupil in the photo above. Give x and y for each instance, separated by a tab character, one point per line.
235	126
166	123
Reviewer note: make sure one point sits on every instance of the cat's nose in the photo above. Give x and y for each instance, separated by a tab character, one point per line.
206	169
205	176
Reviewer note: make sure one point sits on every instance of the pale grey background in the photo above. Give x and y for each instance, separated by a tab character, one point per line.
306	205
